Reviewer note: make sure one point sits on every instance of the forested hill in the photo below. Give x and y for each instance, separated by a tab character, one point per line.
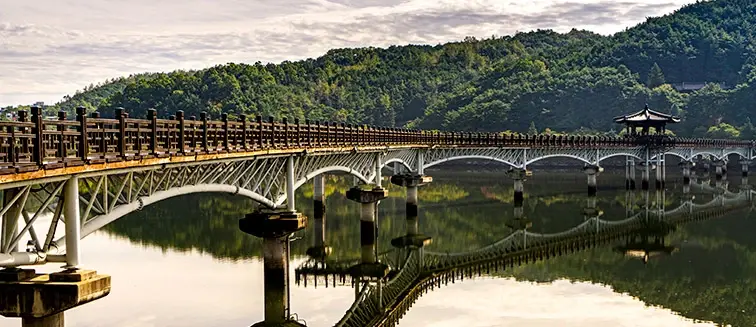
542	80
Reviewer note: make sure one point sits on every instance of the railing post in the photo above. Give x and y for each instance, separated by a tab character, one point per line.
272	132
260	135
286	132
243	120
152	116
181	128
83	146
23	117
193	141
297	133
120	114
38	130
203	117
224	119
61	137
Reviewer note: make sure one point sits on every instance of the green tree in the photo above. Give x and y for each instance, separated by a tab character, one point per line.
655	77
532	128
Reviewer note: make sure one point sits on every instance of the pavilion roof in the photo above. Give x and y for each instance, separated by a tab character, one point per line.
646	115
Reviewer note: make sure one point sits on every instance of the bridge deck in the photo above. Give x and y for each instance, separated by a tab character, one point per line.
40	148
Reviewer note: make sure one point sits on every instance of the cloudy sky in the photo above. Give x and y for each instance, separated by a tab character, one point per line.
49	48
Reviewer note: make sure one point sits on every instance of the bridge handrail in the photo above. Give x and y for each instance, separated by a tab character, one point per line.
37	143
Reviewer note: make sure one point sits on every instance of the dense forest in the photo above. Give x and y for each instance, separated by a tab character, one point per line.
539	81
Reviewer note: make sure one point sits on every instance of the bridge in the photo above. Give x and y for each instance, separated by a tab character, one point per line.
87	172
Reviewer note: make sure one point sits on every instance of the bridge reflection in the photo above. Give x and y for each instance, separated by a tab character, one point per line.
415	271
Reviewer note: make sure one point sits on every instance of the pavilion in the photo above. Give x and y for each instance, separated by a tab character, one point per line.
645	119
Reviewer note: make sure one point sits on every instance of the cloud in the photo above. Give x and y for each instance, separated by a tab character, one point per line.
56	47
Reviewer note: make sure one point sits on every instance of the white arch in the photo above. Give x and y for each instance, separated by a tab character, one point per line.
706	153
669	154
282	199
399	160
469	157
119	211
619	154
558	156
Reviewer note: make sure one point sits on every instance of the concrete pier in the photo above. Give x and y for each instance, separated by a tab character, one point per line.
518	175
686	166
40	300
368	197
661	173
275	227
630	173
719	169
319	249
11	217
413	236
592	172
645	175
744	167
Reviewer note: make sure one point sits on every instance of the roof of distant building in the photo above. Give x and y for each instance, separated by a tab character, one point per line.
646	115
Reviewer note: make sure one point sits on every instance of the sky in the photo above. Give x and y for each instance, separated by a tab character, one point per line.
50	48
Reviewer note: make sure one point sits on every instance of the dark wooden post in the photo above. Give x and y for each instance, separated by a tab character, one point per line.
23	117
152	116
318	134
38	130
181	129
193	141
309	132
260	135
83	148
203	117
120	114
272	132
243	120
61	137
286	132
224	119
298	133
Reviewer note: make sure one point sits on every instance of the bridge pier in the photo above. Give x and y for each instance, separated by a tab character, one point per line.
413	236
591	208
518	175
661	171
41	300
319	249
720	169
645	175
686	166
368	197
744	167
629	173
275	227
592	171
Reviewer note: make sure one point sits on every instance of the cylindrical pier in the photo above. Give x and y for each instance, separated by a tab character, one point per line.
73	222
519	189
719	170
11	217
591	172
744	167
629	173
645	176
319	209
276	279
411	201
54	320
368	232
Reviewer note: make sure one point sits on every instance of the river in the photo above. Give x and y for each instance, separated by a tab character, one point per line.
183	262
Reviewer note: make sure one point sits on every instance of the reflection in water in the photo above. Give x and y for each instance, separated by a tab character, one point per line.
699	259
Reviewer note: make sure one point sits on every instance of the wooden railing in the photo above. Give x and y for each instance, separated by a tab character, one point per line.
37	143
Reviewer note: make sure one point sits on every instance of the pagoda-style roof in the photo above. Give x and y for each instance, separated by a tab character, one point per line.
646	116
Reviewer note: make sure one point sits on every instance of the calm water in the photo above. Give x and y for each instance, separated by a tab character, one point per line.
183	262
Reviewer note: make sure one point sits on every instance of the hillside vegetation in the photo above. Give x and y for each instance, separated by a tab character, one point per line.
537	81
